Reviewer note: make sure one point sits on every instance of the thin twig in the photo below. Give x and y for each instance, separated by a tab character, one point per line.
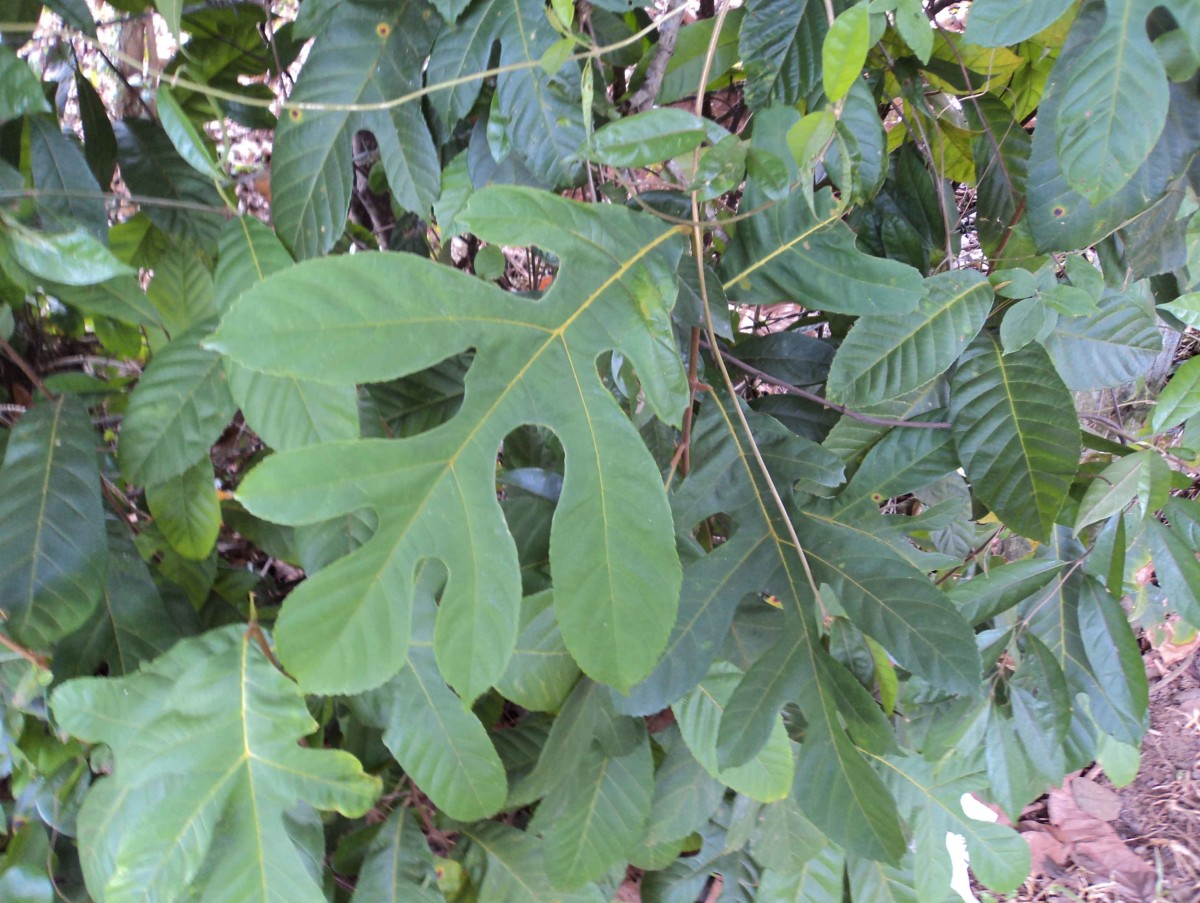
643	98
825	402
34	379
1116	430
26	654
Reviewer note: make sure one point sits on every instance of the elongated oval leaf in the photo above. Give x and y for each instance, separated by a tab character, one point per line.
52	539
1016	431
647	137
885	357
845	50
365	56
178	409
1180	400
997	23
1114	104
187	511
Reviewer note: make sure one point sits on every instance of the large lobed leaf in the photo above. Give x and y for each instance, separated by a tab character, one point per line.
377	317
207	763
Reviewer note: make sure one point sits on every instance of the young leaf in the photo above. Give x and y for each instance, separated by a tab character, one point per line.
616	572
1015	427
204	736
186	509
52	537
845	50
999	23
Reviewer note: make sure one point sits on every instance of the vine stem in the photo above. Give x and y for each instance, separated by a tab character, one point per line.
697	230
825	402
177	81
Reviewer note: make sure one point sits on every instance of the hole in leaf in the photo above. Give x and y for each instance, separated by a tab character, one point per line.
415	403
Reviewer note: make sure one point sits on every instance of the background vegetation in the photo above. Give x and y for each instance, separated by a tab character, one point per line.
694	444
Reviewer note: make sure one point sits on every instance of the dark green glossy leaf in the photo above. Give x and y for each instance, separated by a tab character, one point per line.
780	43
791	252
1015	427
367	55
648	137
69	194
52	539
885	357
21	93
1116	346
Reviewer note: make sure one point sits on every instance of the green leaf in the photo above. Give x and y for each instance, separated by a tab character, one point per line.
1112	650
178	409
1017	435
767	776
1113	106
71	194
792	251
516	869
891	601
366	55
844	51
204	736
596	816
1113	488
52	540
183	133
172	13
1117	346
1177	570
1180	399
542	114
24	866
440	745
1041	708
182	290
645	138
930	795
685	794
541	671
131	624
121	299
285	411
152	167
21	92
617	279
915	28
885	357
820	880
398	867
70	258
186	509
997	23
1186	308
780	43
